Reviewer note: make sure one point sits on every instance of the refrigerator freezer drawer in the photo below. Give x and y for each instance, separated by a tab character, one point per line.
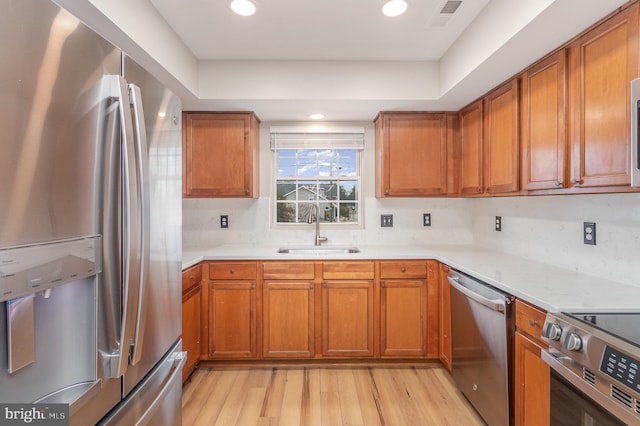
157	400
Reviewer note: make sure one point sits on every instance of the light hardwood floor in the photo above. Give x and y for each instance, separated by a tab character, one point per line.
327	396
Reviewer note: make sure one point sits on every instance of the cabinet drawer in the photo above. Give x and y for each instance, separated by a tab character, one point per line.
288	270
403	269
347	270
233	271
530	320
191	277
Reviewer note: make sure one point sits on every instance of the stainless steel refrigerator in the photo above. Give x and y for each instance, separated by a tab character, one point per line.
90	224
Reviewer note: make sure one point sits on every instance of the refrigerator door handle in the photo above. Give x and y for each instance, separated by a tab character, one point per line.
142	169
129	228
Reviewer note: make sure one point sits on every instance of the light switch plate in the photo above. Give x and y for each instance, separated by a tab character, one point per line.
386	220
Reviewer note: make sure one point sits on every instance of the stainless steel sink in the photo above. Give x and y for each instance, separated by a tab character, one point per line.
318	250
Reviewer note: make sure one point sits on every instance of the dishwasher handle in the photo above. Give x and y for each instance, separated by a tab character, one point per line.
495	304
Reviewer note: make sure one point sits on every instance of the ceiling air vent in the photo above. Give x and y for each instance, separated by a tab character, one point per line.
450	7
446	13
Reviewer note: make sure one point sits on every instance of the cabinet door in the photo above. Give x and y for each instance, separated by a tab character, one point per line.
219	151
470	167
347	318
403	318
445	318
501	139
232	319
288	319
191	329
602	63
543	135
531	384
411	154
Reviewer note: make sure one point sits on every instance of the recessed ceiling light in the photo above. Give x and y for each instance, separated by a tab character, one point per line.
316	116
243	7
394	7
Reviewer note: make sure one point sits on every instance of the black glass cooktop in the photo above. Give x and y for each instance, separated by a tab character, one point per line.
623	326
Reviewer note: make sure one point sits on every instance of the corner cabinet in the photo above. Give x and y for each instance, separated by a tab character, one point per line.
501	139
191	318
220	154
602	64
531	381
411	154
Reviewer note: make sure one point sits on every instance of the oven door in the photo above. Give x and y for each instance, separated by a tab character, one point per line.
575	402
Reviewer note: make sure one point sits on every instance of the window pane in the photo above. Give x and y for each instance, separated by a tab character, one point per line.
286	212
346	162
349	190
348	212
307	166
308	191
286	166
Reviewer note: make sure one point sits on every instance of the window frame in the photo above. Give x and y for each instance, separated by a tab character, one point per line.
318	180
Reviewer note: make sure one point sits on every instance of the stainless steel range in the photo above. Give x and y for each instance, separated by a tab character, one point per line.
595	362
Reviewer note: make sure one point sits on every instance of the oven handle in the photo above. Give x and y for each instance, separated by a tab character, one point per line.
557	364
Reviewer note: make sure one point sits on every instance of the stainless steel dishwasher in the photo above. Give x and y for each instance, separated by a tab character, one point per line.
482	327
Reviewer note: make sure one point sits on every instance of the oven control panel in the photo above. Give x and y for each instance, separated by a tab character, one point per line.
621	368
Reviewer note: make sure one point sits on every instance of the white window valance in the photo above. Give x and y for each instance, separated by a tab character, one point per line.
296	137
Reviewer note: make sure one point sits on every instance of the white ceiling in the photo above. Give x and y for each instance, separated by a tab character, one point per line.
345	59
317	30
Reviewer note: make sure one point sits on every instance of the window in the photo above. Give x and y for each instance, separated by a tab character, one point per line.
321	169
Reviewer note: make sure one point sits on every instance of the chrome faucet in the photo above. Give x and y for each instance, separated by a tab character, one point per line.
319	240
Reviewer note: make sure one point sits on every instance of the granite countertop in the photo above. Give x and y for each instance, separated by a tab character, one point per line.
549	287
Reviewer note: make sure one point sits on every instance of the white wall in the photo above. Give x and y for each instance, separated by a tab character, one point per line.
549	229
251	223
541	228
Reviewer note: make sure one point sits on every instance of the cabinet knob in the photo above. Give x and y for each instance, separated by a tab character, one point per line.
311	287
383	284
246	192
532	322
232	271
403	269
478	189
577	182
253	286
559	184
324	284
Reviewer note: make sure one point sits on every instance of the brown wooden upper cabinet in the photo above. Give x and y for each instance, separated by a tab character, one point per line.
470	161
220	154
411	154
602	63
501	139
544	117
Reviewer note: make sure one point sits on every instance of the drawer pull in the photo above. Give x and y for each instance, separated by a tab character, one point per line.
403	269
232	271
532	322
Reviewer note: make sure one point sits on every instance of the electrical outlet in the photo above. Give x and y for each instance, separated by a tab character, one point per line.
386	220
224	221
426	219
589	233
499	223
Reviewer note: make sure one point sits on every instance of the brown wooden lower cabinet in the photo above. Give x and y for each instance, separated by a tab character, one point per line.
348	319
531	381
288	319
191	319
403	318
232	319
445	318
